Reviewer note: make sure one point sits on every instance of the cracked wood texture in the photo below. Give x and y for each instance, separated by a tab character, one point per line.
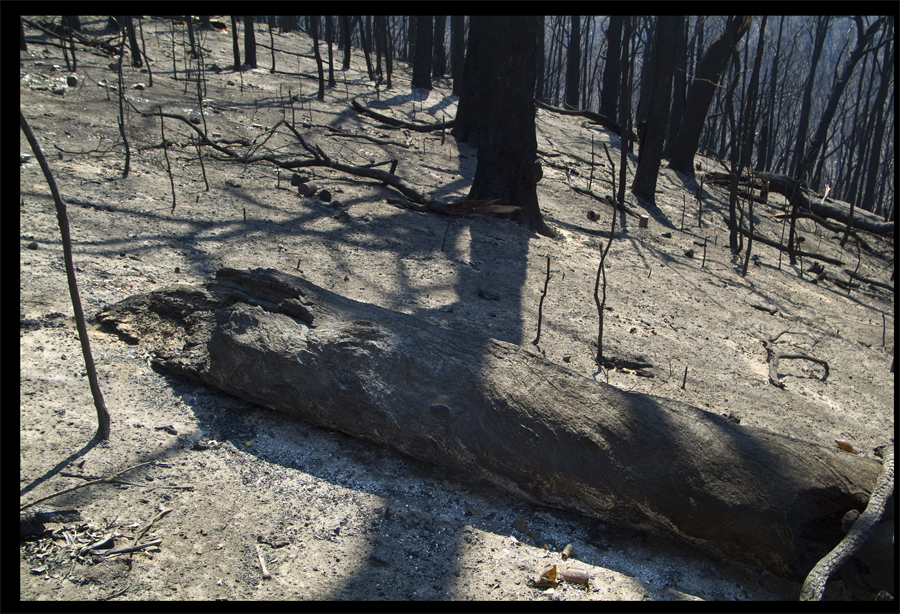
504	413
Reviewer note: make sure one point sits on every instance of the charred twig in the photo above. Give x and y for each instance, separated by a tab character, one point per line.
143	531
541	303
107	553
86	484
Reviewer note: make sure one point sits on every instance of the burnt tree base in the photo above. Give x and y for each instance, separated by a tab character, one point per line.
504	413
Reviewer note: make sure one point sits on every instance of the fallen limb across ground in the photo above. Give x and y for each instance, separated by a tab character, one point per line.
506	414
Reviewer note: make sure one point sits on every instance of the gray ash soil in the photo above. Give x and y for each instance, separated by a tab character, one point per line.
338	518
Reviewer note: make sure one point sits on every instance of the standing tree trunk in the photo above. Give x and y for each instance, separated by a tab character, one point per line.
508	169
648	67
329	34
863	38
822	23
474	81
136	60
235	43
573	63
346	33
701	93
609	94
878	134
287	23
314	30
658	110
679	88
457	50
439	67
422	61
249	41
367	47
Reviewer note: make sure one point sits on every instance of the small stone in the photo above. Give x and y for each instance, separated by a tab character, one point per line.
139	86
32	245
325	196
71	80
59	91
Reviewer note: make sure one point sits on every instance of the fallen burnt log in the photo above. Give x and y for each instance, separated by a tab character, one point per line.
796	194
504	413
594	117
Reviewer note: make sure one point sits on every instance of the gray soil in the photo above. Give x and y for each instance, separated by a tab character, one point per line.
334	517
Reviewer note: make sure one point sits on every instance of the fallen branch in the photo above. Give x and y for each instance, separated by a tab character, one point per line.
871	282
393	121
783	248
594	117
774	357
607	200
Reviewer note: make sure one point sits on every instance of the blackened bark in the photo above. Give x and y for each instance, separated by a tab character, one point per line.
457	50
507	152
439	61
878	134
136	55
701	93
474	83
864	37
573	63
422	62
249	42
609	94
346	33
658	110
679	87
329	34
314	31
822	23
235	43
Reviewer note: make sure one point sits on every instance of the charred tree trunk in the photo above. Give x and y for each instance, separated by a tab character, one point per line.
314	31
701	93
822	24
422	61
347	34
249	42
573	63
679	86
609	94
474	80
507	168
645	176
136	56
504	413
439	59
235	43
457	50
